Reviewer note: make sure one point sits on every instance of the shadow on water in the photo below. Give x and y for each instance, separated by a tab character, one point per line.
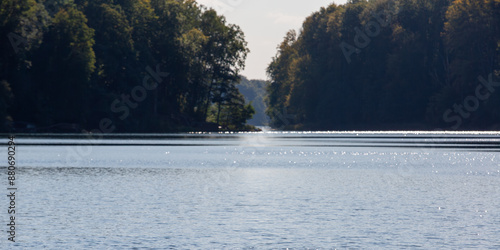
477	141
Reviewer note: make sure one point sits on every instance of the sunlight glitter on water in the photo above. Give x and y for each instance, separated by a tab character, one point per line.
294	190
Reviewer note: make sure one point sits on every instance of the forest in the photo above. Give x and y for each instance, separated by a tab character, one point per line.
119	66
174	65
254	92
390	65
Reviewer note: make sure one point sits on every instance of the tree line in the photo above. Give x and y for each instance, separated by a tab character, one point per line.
255	93
135	65
390	64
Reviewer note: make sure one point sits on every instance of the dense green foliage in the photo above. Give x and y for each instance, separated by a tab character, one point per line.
384	64
255	92
119	66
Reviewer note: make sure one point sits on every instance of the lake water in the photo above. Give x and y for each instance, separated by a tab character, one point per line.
257	190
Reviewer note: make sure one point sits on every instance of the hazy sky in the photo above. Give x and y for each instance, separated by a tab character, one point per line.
265	24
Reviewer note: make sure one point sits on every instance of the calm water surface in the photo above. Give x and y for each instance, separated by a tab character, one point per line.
260	190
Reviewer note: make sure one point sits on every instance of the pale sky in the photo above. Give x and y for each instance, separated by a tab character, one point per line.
265	24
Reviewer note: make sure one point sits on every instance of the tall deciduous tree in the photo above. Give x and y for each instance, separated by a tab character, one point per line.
63	66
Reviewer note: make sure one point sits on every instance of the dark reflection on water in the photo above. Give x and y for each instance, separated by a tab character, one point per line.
483	141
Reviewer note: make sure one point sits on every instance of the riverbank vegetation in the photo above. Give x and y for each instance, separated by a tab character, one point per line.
135	65
384	64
